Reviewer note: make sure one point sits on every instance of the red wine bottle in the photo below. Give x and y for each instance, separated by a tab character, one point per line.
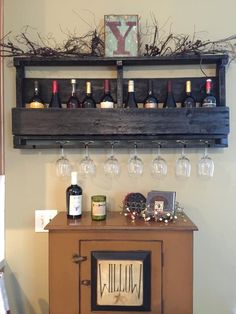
189	101
55	101
73	101
170	100
36	100
107	100
209	100
131	101
74	198
88	101
151	101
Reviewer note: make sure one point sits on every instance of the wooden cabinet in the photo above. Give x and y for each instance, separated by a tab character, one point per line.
44	128
73	245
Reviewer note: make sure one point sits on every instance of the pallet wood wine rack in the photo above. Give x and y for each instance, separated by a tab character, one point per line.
44	128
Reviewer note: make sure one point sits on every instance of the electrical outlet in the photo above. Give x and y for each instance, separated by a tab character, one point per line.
43	217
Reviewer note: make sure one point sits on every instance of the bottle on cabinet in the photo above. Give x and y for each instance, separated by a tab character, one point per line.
74	198
55	101
107	100
98	207
73	101
209	100
88	101
151	101
170	100
189	101
36	101
131	100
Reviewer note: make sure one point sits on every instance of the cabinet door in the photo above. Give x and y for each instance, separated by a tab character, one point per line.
121	276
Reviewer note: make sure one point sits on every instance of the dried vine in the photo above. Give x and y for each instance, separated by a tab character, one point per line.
92	44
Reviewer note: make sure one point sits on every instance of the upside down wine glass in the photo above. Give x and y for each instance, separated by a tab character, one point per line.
111	166
159	165
135	164
206	164
63	166
183	165
87	166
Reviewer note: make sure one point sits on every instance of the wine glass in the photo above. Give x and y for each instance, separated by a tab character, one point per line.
135	164
159	165
87	166
206	164
63	166
183	165
111	165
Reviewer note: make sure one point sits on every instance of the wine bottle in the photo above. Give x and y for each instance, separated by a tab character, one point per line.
151	101
55	101
189	101
74	198
36	100
170	100
88	101
209	100
98	207
131	101
107	100
73	101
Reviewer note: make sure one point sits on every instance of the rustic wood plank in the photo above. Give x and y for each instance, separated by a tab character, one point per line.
121	121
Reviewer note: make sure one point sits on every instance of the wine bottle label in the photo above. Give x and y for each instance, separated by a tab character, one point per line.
98	208
107	104
75	205
35	105
150	105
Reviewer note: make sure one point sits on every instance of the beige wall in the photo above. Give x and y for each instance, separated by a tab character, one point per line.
30	175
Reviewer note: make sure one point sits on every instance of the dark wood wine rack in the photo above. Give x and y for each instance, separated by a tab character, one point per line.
44	128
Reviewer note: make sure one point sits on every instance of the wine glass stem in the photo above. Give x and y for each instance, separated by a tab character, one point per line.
86	151
205	151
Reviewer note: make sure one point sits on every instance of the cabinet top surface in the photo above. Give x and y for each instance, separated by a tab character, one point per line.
142	60
117	221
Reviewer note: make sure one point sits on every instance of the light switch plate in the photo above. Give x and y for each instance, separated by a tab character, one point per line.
43	217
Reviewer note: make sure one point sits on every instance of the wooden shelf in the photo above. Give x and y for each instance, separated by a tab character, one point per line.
34	128
45	126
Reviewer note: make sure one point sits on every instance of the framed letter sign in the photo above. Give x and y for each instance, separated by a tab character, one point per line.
121	35
121	280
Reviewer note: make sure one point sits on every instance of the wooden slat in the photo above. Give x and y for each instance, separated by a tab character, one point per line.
208	121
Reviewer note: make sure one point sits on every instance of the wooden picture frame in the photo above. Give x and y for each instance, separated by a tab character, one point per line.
161	201
121	35
120	281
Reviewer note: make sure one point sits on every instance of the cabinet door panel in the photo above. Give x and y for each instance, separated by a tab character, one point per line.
87	248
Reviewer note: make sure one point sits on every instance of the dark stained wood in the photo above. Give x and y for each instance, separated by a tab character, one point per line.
73	61
41	129
193	124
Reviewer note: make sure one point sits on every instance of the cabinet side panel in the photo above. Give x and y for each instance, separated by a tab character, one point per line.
64	275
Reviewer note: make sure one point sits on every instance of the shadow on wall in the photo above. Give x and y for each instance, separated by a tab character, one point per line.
19	303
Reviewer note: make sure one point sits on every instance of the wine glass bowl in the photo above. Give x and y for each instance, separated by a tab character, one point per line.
63	165
111	165
87	166
135	164
183	165
206	165
159	165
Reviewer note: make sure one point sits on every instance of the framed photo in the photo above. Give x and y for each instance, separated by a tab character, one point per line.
161	201
121	280
121	35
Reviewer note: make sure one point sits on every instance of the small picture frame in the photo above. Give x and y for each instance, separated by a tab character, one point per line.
161	201
121	35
